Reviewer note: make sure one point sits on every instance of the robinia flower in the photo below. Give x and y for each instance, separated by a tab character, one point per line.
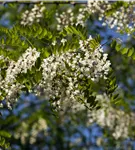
116	120
121	20
33	15
65	74
64	19
9	86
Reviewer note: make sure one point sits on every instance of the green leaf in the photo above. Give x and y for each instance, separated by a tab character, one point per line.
113	82
118	47
2	41
124	50
113	44
130	52
38	76
115	96
133	56
38	63
74	30
40	30
2	141
5	134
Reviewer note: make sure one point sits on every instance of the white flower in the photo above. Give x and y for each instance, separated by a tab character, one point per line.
63	41
29	16
64	19
62	73
107	116
24	63
119	19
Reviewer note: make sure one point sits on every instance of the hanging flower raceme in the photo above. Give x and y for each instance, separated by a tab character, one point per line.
81	17
68	18
116	120
64	19
38	129
9	86
122	19
95	6
33	15
64	75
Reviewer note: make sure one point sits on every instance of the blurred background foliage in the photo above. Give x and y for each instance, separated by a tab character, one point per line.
33	123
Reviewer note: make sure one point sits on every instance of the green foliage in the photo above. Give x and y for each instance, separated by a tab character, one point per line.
34	31
4	136
79	31
17	38
129	52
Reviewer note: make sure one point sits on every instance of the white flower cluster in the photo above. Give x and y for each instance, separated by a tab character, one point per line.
24	63
115	119
81	17
64	74
69	18
64	19
95	6
33	15
36	129
39	127
121	19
